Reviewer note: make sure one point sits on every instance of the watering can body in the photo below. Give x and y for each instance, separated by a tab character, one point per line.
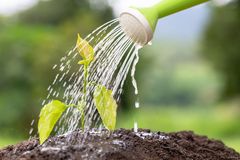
148	17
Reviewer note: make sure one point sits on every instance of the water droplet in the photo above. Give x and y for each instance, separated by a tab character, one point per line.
50	91
135	127
150	43
43	102
54	66
55	80
48	96
61	77
49	87
31	130
69	53
63	59
61	68
32	122
137	104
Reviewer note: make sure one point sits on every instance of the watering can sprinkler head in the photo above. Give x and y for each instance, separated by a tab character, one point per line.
136	26
139	23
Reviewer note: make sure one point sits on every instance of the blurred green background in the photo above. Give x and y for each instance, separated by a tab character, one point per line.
188	79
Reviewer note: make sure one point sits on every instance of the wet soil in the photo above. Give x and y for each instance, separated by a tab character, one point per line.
122	145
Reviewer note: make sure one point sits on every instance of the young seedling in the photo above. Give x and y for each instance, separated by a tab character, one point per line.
103	99
86	51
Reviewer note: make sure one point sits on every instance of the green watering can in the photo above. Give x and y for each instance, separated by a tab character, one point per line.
139	23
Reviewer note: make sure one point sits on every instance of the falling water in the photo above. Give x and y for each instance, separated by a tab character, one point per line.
115	55
134	83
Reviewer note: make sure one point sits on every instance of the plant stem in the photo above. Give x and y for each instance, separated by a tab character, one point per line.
85	84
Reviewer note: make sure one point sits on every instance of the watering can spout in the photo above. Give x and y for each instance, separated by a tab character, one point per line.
139	23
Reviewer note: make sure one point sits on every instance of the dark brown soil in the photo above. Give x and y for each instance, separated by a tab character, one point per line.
120	145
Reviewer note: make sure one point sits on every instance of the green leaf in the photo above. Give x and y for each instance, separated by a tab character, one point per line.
106	106
49	116
85	50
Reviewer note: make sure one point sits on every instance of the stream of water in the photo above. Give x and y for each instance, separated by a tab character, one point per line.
115	55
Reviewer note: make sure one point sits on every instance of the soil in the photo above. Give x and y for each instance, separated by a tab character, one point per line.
121	145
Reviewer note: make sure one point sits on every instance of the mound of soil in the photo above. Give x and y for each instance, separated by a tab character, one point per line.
122	145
